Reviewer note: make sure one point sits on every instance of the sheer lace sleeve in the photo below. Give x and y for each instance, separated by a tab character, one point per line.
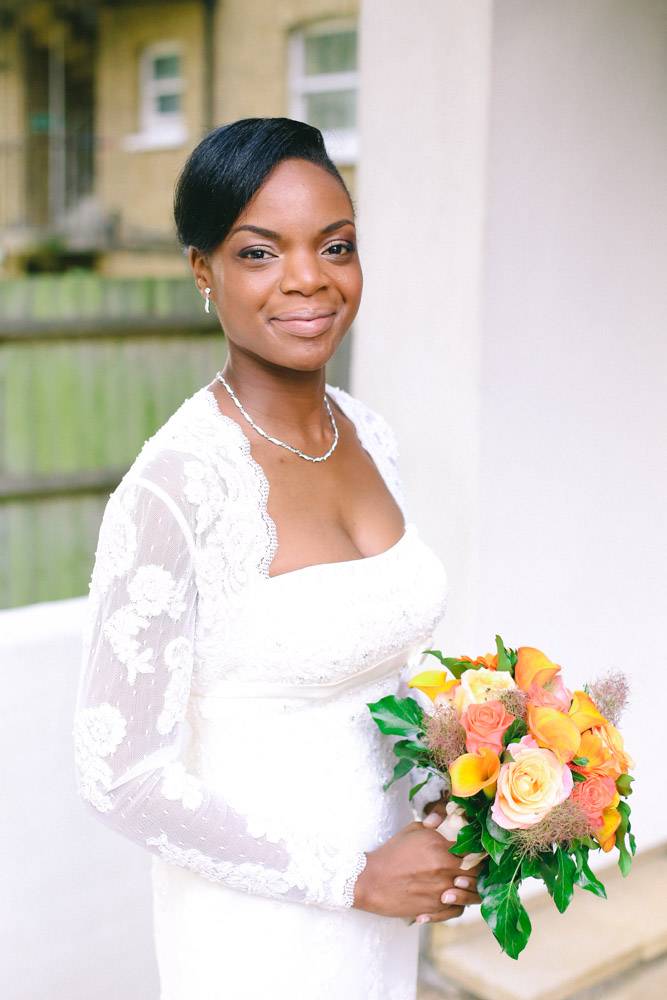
130	726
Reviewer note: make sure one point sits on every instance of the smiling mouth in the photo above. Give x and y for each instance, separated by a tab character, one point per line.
304	324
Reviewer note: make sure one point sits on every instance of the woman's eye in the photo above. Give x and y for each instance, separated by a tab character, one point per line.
340	248
254	253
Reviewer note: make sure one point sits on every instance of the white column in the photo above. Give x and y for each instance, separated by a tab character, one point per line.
424	91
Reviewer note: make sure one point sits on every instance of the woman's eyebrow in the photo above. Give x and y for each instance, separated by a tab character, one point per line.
336	225
268	233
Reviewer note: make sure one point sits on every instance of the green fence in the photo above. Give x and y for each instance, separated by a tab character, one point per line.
89	368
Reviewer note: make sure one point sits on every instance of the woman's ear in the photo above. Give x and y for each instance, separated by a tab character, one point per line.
200	269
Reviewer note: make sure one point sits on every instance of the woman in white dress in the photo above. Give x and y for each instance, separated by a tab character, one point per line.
255	586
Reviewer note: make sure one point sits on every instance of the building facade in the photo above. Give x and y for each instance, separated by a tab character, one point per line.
100	102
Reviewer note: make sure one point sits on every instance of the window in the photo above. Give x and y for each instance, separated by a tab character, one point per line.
161	86
323	84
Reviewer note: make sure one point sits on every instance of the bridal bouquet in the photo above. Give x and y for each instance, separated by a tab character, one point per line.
537	774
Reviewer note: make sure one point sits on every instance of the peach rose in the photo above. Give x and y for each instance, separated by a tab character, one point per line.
553	694
485	726
478	686
594	796
529	786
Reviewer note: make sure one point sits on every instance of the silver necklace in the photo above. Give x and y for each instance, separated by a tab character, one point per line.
295	451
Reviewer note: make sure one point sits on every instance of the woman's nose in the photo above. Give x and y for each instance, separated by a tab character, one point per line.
302	272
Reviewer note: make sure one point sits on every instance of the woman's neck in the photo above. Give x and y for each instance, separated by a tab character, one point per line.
279	399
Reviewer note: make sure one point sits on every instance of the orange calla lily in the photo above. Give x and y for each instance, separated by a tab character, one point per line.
432	682
555	731
584	713
606	835
532	665
473	771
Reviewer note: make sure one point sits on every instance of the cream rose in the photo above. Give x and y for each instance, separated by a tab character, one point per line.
479	686
529	786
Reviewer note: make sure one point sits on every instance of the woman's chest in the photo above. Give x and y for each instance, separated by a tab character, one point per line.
326	622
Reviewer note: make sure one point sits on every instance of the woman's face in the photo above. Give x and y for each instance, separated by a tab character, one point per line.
286	281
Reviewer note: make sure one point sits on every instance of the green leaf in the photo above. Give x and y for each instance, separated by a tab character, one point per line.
500	873
541	866
403	767
414	750
494	848
580	761
397	716
585	877
504	662
625	853
498	833
417	788
564	889
503	912
577	776
468	840
623	783
454	665
514	732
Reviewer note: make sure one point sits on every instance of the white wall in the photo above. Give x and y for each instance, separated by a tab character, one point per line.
75	917
514	220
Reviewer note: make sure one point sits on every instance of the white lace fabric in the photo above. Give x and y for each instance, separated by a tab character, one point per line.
278	797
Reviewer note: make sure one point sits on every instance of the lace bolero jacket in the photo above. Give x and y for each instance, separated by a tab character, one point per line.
183	537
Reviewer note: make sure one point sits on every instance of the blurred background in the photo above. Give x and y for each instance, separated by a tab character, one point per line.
508	159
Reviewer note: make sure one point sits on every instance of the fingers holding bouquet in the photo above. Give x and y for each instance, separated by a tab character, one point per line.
414	874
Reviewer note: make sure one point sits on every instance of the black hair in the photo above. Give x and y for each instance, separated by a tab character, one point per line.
227	168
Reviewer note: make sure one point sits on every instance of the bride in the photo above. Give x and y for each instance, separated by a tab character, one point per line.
256	585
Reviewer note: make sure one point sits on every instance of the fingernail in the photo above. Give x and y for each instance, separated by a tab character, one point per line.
422	920
448	897
461	883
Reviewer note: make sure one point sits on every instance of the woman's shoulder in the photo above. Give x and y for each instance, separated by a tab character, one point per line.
371	426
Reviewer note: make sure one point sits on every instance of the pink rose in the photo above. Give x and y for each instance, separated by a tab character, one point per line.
553	694
594	795
529	786
485	726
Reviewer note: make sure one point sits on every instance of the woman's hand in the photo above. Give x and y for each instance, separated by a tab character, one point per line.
413	874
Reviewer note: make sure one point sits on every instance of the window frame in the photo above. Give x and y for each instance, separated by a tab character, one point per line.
158	130
342	144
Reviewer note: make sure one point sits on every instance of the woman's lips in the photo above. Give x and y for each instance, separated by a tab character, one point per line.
304	324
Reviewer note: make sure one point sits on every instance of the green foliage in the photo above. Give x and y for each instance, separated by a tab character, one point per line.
504	661
584	876
515	732
503	912
623	784
455	666
398	716
625	851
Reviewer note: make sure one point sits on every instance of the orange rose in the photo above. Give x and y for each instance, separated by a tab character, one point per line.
485	725
594	796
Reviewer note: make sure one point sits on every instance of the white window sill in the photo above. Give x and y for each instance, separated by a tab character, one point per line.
165	138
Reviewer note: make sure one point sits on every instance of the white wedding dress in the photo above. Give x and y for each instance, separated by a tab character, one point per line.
222	720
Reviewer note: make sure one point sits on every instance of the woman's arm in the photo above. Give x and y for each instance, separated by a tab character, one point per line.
130	721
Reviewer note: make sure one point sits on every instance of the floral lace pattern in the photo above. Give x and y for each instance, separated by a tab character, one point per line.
181	604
